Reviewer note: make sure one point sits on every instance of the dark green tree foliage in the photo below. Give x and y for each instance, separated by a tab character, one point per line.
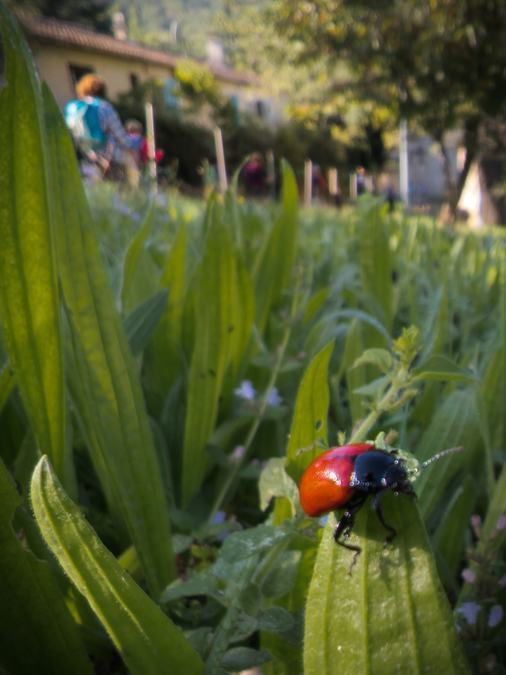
439	63
91	13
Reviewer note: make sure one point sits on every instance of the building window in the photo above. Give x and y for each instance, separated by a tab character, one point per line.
134	81
76	72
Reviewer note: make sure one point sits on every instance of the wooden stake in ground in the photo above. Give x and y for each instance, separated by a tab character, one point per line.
353	186
308	182
220	159
150	138
333	181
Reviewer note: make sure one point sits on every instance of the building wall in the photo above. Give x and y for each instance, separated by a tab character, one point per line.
53	65
427	180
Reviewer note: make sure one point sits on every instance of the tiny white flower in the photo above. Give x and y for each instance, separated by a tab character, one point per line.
495	616
246	391
502	581
469	611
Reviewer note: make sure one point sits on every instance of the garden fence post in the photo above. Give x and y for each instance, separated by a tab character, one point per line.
150	138
404	162
308	182
220	159
353	186
333	182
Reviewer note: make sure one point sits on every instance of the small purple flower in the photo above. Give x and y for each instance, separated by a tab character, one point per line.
219	517
476	525
495	616
323	520
246	391
469	611
274	398
501	522
238	453
469	576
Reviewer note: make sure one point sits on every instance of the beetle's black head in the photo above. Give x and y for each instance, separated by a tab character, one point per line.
396	478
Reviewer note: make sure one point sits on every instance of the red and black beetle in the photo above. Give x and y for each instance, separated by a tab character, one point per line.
344	477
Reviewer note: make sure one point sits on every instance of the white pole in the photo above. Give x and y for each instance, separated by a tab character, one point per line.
308	182
150	138
404	162
220	159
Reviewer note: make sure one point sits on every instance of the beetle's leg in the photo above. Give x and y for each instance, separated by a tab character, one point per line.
376	505
344	528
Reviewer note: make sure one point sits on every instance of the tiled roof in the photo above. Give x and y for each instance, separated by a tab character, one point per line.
72	35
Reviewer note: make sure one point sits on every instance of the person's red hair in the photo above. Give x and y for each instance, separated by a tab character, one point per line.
90	85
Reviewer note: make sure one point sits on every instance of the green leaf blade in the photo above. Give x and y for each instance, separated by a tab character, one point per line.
163	353
145	637
217	315
309	425
29	296
275	265
37	632
102	374
441	368
391	614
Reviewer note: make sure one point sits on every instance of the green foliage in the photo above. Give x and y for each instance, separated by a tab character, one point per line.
90	13
197	82
309	425
273	266
30	642
390	613
29	294
216	303
394	52
407	59
208	354
102	381
147	640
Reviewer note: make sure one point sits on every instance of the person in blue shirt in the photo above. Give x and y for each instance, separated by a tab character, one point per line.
99	135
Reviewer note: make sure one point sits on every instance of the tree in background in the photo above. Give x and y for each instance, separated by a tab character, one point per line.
92	13
438	63
319	92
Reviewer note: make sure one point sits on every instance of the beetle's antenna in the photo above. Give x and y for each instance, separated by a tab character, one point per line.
441	454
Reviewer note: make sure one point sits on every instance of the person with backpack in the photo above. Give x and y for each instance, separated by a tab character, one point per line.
98	133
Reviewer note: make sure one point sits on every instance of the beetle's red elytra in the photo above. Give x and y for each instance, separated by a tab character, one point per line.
344	477
325	484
